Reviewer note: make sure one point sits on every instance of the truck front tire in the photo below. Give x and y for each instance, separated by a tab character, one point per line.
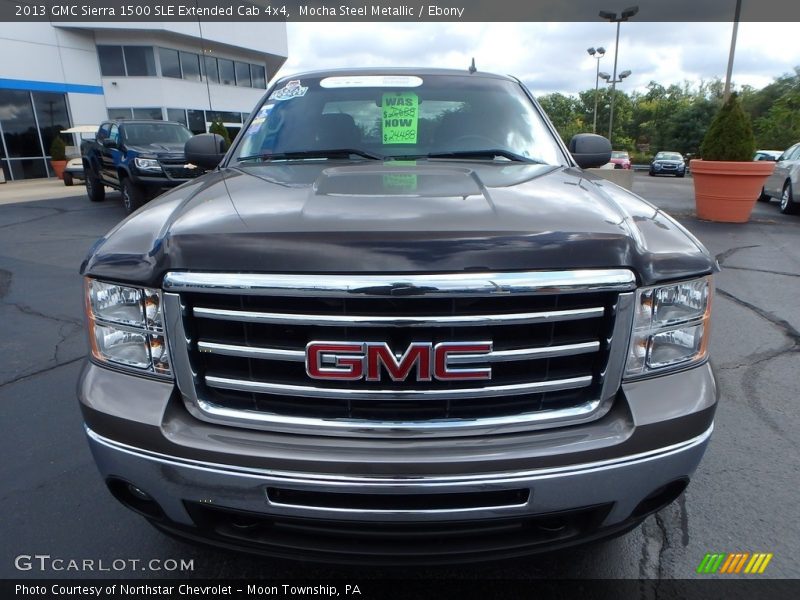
133	196
94	187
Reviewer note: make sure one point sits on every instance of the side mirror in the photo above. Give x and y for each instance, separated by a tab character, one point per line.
205	150
590	150
109	143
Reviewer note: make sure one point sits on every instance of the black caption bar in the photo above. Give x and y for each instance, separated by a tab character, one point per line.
405	589
391	10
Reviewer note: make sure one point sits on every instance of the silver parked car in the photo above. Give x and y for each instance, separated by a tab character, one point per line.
784	183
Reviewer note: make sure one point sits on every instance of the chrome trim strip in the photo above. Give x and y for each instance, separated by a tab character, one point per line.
396	511
527	353
403	285
618	342
516	389
411	482
366	321
253	352
495	356
251	419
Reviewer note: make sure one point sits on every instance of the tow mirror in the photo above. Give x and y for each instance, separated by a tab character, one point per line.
205	150
590	150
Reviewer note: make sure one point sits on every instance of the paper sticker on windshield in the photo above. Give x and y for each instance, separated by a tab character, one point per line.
400	118
261	117
361	81
292	89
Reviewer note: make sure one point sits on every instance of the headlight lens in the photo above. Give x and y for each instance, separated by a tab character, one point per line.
147	164
126	327
671	327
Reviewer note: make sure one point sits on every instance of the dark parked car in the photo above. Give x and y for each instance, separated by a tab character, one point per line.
398	321
140	158
668	163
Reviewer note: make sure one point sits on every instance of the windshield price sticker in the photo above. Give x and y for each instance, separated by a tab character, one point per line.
400	118
292	89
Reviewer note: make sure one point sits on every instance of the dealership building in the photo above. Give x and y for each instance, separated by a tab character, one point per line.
54	76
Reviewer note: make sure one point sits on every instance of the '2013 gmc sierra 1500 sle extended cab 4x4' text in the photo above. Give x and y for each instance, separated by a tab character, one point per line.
397	321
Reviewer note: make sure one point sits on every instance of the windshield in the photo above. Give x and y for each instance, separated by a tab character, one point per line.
619	155
668	156
142	134
398	117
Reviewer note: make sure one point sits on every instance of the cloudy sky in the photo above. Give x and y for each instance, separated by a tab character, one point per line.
552	57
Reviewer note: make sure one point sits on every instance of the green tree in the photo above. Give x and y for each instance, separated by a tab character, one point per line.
565	113
218	128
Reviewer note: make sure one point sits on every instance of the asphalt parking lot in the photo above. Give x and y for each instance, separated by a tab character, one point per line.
743	497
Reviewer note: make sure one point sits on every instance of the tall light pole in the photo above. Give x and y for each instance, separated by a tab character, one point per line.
597	53
737	13
613	18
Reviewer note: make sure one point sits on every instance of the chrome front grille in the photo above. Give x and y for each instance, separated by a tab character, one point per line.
558	346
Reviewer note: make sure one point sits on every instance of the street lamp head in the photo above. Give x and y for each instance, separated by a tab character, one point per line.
629	12
601	51
624	74
611	16
591	51
603	75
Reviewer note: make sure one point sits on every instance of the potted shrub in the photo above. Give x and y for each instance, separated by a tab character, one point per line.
58	156
727	181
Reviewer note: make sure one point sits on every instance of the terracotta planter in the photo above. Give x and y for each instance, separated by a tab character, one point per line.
727	191
58	167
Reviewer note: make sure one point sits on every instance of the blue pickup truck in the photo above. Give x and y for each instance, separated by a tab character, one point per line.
137	157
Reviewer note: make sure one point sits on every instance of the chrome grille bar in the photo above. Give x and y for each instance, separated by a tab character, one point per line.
495	356
244	385
376	321
402	286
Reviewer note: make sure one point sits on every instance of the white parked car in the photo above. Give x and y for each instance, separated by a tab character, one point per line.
784	183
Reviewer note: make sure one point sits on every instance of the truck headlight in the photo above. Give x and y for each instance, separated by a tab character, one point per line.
147	164
126	327
670	327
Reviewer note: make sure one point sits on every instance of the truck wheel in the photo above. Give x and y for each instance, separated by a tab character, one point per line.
133	196
788	206
68	179
94	187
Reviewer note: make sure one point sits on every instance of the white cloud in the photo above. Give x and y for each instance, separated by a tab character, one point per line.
551	57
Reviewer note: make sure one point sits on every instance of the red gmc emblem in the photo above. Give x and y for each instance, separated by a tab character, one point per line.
351	361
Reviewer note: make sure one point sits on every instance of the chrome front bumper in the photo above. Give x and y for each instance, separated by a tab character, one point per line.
622	482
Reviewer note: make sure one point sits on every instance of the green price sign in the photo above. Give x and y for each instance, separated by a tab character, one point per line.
400	118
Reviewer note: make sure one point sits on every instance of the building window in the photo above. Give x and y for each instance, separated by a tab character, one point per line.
259	75
139	61
170	63
121	61
197	121
190	65
243	74
226	72
29	121
53	117
177	114
210	64
120	113
148	113
111	62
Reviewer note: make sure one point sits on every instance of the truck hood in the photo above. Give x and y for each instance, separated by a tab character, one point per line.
372	217
160	150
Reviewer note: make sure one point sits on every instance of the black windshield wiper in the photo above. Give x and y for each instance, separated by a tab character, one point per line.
302	154
490	153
